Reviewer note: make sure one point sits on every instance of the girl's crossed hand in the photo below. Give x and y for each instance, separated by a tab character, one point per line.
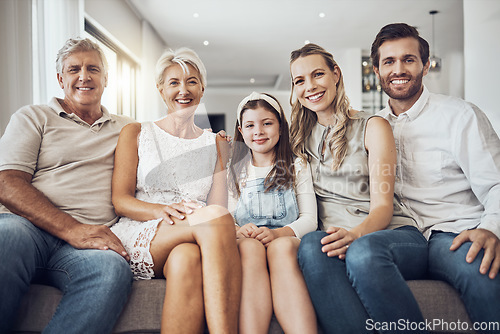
245	231
264	234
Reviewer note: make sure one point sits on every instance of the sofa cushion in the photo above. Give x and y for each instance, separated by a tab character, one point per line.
142	314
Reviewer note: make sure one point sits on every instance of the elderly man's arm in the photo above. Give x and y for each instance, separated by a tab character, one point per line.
20	197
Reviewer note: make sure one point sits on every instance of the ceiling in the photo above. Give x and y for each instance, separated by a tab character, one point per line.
252	39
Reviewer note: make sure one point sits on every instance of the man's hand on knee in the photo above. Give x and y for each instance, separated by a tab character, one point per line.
481	239
84	236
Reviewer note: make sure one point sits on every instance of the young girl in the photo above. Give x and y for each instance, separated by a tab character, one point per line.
275	206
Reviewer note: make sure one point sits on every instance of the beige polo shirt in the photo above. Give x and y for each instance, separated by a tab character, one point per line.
70	160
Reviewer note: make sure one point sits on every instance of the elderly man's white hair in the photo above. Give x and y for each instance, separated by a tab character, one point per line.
78	44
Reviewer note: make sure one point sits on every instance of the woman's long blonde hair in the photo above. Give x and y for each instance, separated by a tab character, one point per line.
303	119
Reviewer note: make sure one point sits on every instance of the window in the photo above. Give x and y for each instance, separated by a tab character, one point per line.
373	97
120	95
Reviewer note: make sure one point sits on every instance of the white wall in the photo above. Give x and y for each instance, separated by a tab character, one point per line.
226	101
59	20
349	61
15	57
56	22
140	41
151	106
119	20
481	52
25	79
472	74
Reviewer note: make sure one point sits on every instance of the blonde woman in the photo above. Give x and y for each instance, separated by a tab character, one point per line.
352	156
169	186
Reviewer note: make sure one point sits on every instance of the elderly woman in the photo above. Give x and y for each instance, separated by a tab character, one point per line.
169	186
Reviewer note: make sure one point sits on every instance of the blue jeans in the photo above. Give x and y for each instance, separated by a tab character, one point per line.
378	264
95	283
337	305
479	293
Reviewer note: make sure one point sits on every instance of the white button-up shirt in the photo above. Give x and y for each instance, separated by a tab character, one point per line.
448	165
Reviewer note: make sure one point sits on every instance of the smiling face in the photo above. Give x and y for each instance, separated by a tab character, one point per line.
260	130
181	90
401	70
83	80
314	83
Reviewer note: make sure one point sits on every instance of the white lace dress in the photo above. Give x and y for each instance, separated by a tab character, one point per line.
170	169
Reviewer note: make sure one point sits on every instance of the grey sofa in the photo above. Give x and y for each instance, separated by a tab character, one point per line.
142	313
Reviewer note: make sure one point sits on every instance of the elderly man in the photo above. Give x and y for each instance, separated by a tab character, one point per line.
56	163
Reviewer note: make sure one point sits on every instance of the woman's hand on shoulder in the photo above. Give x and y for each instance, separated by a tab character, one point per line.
131	129
223	135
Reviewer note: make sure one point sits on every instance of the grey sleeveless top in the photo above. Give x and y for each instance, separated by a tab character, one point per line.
343	195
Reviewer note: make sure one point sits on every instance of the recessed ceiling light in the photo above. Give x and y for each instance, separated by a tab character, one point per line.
307	41
206	43
322	15
252	80
196	15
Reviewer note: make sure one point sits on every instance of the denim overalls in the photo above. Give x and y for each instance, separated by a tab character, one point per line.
272	209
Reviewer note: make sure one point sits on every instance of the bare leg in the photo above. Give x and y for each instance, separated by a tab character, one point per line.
292	305
256	304
212	229
184	283
221	269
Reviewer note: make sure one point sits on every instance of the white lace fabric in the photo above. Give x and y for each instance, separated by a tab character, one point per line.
170	170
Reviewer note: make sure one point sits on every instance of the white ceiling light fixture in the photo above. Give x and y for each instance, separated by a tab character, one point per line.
322	15
196	15
206	43
435	62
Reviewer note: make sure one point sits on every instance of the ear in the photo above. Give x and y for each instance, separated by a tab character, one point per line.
239	129
427	66
60	80
377	72
336	74
106	80
160	89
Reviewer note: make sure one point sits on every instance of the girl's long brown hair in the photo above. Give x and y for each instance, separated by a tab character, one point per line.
303	119
282	175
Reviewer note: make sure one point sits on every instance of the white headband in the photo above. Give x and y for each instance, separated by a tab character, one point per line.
257	96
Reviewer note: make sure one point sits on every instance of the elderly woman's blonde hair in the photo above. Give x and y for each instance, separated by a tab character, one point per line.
182	57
